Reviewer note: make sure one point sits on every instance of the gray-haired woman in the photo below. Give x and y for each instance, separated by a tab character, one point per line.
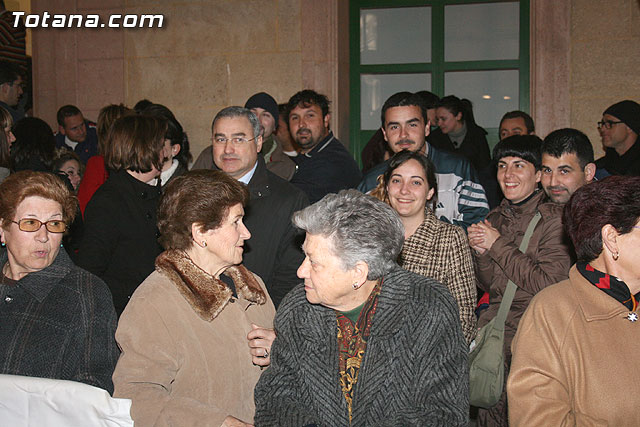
362	341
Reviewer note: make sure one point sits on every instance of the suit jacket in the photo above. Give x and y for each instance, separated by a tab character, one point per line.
414	370
575	360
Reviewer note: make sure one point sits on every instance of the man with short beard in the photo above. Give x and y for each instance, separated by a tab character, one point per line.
324	165
567	163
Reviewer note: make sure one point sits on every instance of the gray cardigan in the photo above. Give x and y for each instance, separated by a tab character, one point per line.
414	370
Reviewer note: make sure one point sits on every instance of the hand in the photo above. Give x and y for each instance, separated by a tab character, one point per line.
482	236
476	236
260	340
234	422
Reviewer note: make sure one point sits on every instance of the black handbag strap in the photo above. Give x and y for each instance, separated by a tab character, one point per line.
510	291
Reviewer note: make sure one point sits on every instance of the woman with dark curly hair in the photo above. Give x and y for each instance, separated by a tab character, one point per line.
574	353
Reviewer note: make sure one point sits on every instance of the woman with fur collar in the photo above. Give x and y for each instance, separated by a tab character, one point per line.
184	334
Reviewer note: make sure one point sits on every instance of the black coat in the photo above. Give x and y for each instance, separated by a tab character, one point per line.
58	323
627	164
474	145
120	234
274	250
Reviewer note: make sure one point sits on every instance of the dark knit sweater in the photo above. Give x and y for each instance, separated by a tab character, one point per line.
414	371
58	323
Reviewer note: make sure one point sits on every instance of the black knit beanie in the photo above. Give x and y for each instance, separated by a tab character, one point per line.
627	112
265	101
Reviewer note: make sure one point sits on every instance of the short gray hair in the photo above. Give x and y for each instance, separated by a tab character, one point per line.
359	227
237	111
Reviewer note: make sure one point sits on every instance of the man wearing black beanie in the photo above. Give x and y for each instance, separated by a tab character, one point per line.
619	130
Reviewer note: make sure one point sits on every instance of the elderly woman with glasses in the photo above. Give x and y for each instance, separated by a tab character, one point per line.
58	320
574	355
362	342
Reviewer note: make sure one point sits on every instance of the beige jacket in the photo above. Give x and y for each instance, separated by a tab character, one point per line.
575	360
185	358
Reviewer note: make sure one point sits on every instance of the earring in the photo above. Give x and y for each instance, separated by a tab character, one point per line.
204	243
355	285
615	256
61	245
3	244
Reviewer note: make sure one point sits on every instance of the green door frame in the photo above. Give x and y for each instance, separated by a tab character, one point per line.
437	67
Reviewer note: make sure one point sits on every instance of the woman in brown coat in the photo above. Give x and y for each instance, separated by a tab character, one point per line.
496	241
191	335
575	353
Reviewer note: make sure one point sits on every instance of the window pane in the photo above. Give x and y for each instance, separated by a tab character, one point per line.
376	88
395	35
492	93
485	31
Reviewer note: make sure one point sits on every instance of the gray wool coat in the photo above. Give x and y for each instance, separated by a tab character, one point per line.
414	370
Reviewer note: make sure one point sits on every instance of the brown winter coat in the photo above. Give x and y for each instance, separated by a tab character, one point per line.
185	357
575	360
545	262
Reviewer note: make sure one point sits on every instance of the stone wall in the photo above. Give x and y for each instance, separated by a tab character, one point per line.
208	55
605	60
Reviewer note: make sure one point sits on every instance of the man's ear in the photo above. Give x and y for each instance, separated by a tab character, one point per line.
327	120
590	171
61	130
384	133
259	141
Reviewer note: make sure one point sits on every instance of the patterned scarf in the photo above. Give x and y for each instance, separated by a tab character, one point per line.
352	342
610	285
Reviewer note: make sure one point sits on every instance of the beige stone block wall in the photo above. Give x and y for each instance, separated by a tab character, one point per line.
605	60
209	54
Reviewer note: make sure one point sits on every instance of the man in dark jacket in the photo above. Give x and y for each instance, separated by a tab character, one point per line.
75	133
324	165
619	130
272	252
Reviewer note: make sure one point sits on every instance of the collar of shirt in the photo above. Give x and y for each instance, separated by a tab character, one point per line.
321	145
70	143
247	176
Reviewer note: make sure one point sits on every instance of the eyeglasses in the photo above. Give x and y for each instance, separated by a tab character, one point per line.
236	140
31	225
606	124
